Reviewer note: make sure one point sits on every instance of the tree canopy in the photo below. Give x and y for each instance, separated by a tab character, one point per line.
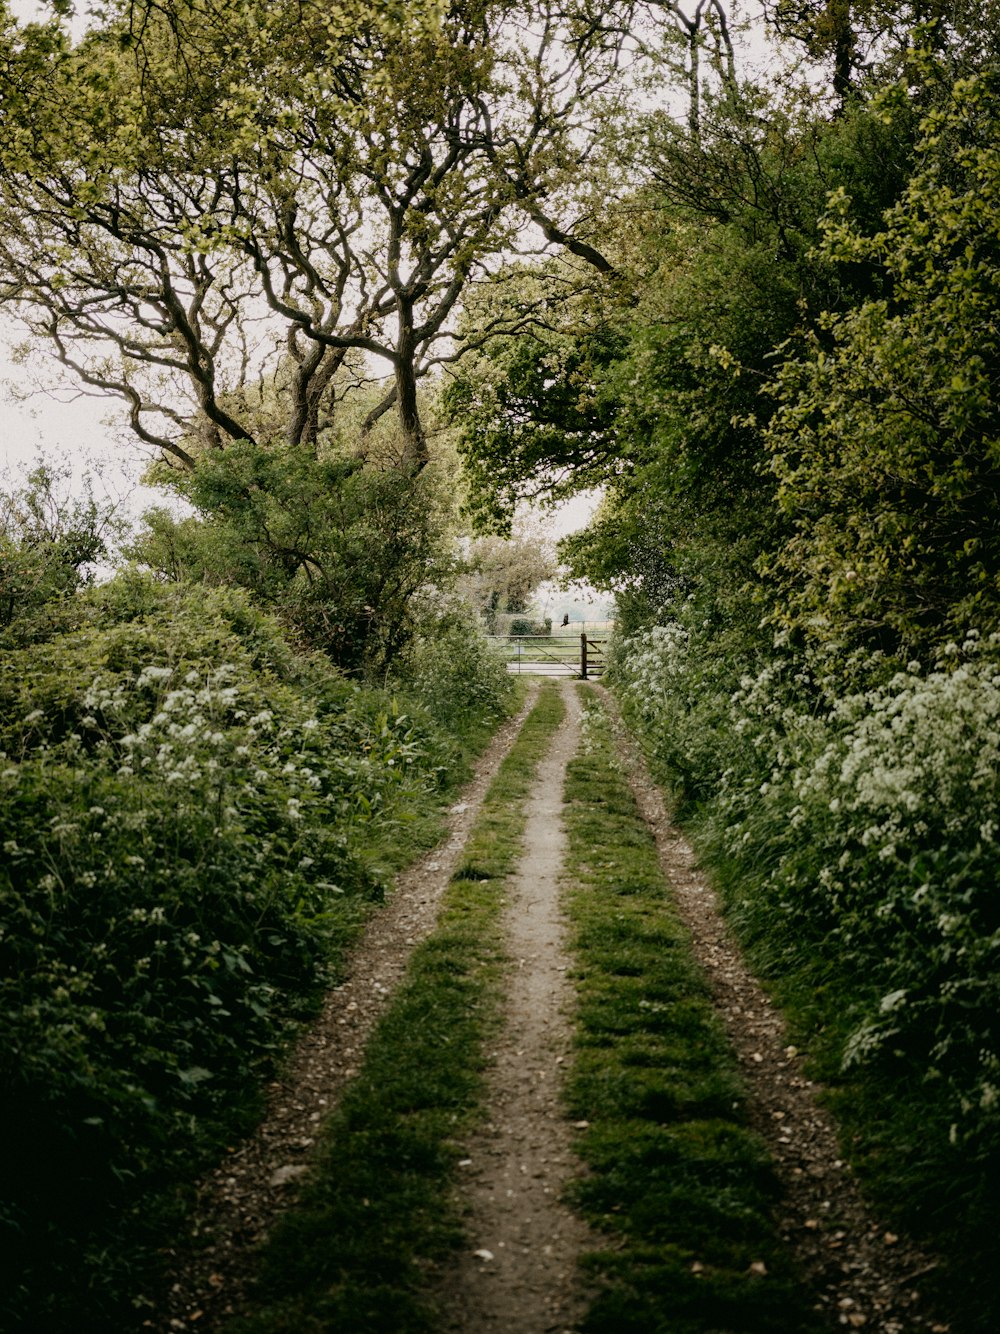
885	444
198	199
789	395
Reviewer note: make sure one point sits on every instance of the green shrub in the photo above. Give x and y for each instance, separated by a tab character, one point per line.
677	687
49	542
525	626
855	834
458	677
340	552
191	815
891	854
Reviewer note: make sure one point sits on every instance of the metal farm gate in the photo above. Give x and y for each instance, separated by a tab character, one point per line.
578	655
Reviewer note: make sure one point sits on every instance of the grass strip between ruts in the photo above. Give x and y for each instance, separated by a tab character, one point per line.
356	1250
681	1186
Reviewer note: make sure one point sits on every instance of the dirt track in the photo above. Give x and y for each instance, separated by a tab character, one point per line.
518	1272
239	1201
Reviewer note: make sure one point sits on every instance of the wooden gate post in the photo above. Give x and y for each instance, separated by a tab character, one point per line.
583	656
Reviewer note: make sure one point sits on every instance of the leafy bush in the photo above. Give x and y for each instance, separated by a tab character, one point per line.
48	544
524	625
458	678
885	441
340	552
191	812
677	686
856	836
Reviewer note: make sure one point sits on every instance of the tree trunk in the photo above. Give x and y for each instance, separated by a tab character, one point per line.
415	453
842	34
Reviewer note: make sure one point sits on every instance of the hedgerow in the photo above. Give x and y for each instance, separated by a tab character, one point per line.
193	819
855	836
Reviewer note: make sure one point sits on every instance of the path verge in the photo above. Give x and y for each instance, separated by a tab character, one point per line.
679	1184
863	1274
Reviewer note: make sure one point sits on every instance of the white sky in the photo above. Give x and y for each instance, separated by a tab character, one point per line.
88	435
